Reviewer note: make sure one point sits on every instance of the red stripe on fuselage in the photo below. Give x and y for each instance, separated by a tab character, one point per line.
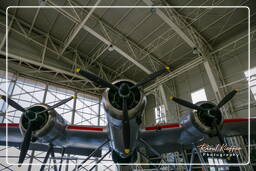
178	125
238	120
162	126
84	128
15	125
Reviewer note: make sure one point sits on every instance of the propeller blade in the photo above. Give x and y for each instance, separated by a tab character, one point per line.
220	137
25	144
126	126
12	103
151	77
227	98
96	79
186	103
58	104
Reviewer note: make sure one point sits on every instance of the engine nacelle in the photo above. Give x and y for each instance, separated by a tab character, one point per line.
47	127
113	103
197	125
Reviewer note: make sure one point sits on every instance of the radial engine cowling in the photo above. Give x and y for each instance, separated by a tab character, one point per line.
113	102
46	126
198	125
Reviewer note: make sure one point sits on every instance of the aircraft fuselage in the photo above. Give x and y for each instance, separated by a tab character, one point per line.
122	143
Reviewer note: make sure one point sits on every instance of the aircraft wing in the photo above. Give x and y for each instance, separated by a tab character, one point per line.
166	138
79	140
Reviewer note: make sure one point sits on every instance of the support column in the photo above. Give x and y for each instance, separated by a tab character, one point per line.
96	159
212	79
214	84
10	90
31	160
72	122
99	110
45	93
74	109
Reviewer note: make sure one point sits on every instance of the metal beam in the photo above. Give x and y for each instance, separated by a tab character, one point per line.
195	40
193	64
186	31
175	73
9	28
48	47
74	109
31	160
82	63
175	27
34	20
117	49
103	39
23	59
212	80
78	28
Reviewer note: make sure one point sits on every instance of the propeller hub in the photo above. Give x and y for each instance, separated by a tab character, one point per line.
124	90
209	113
114	101
31	115
37	120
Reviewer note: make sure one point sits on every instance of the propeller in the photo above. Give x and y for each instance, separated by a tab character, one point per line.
124	92
96	79
12	103
227	98
33	118
107	84
151	77
126	125
186	103
57	104
220	137
25	144
210	113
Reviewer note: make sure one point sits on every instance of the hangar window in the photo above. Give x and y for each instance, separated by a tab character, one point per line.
198	96
27	92
87	109
217	161
252	78
160	114
55	95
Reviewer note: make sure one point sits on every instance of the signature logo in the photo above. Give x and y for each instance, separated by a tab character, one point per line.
223	150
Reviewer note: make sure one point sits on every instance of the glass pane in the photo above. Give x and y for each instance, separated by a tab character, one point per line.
160	114
87	111
198	96
252	78
55	95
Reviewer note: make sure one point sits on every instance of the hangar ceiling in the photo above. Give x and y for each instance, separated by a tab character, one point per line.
48	43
